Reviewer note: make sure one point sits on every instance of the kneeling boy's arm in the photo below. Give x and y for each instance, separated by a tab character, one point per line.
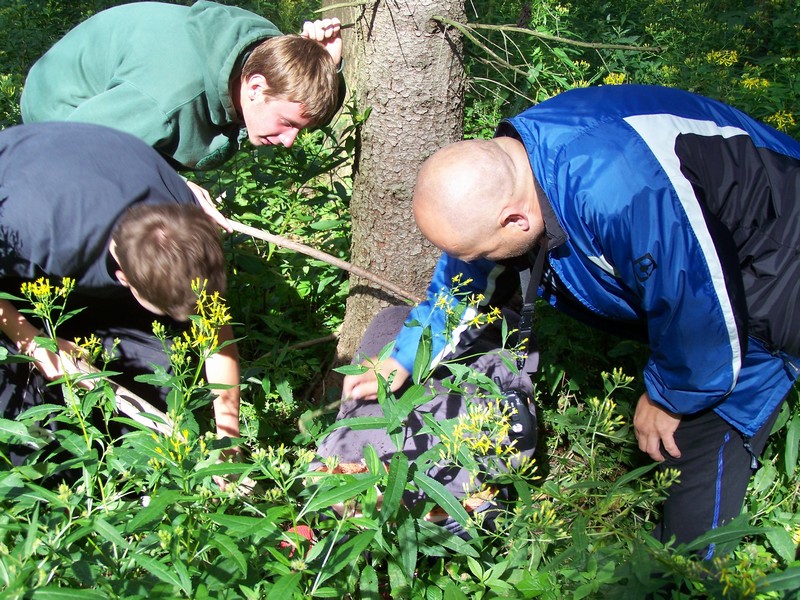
223	369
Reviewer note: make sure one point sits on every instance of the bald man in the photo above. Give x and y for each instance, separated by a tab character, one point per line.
666	216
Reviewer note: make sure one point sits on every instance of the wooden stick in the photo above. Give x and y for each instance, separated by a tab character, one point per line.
325	257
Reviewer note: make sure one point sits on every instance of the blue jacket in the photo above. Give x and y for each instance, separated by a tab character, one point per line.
668	213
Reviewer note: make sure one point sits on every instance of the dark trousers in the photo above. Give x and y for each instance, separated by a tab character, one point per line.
715	469
348	444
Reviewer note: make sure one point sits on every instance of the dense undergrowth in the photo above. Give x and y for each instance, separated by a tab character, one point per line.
143	516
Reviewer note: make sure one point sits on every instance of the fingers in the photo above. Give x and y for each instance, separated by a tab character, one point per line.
670	446
321	30
655	428
207	204
650	445
360	387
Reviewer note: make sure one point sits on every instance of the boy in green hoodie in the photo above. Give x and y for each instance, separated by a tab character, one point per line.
186	80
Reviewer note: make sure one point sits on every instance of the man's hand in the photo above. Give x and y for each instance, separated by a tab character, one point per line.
328	33
365	386
207	204
653	426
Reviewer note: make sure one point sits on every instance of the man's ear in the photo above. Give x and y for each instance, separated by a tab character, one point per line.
510	217
255	86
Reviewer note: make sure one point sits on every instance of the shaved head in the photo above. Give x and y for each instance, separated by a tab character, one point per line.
467	194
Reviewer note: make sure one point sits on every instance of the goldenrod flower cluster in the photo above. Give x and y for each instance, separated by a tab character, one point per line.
755	83
795	534
211	313
605	420
723	58
483	431
782	120
544	516
456	303
43	295
742	576
614	79
664	478
177	447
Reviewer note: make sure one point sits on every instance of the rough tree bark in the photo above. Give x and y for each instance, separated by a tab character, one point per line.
408	71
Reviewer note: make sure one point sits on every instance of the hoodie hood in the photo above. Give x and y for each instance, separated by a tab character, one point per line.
233	30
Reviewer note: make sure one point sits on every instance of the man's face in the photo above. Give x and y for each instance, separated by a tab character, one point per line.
273	122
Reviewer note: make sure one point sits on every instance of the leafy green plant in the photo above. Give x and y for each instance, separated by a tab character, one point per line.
97	516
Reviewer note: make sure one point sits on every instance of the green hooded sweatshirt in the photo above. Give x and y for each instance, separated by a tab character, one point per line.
158	71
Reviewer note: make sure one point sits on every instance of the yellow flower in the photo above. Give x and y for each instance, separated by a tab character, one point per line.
754	83
782	120
723	58
614	79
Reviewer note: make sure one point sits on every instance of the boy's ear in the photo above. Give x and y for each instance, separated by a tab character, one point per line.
112	248
122	278
255	86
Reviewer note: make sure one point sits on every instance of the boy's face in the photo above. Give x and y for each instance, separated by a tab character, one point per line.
271	122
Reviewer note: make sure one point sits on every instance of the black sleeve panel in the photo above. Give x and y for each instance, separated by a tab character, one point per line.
751	202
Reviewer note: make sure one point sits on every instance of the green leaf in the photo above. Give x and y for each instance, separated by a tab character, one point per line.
413	397
407	540
229	549
433	538
14	432
386	351
395	486
224	468
72	442
453	592
373	462
732	532
781	541
352	369
368	584
40	411
163	572
33	528
345	555
240	526
326	224
631	476
154	512
62	593
286	586
422	360
107	531
786	580
343	492
792	445
439	494
358	424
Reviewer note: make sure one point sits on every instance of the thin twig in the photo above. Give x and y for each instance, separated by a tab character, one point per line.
342	5
571	42
465	30
538	34
324	257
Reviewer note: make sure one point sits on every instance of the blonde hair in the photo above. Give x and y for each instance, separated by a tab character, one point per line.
297	69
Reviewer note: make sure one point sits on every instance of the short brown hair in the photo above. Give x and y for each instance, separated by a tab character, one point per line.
163	248
297	69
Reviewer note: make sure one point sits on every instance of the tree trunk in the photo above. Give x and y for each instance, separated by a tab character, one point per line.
407	70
